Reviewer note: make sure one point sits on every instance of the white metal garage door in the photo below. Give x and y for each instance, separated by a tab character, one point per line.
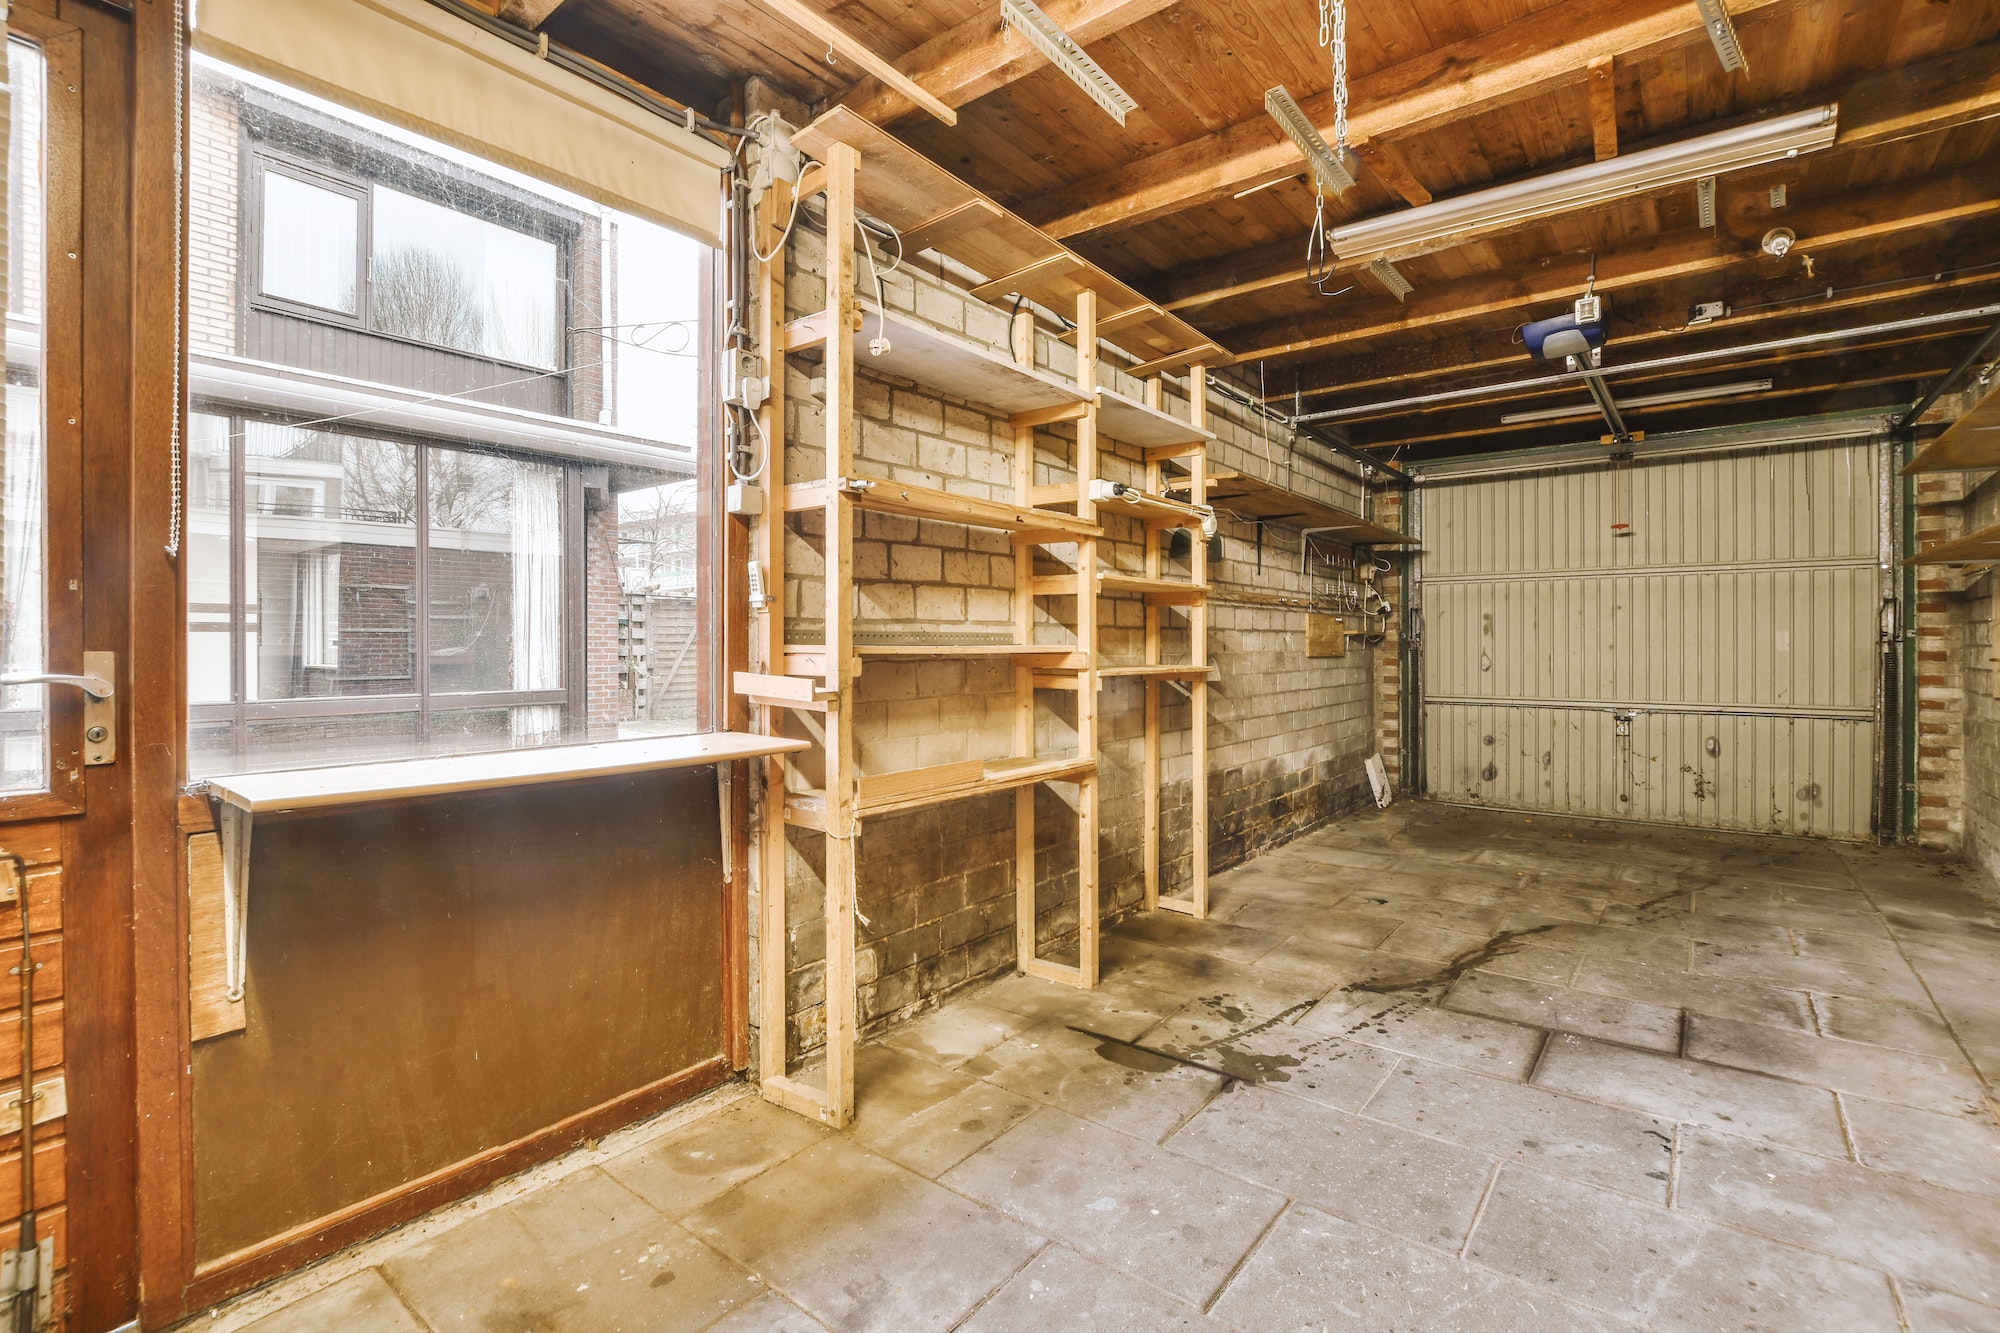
1715	667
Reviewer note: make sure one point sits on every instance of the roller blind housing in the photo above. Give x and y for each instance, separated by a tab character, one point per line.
415	65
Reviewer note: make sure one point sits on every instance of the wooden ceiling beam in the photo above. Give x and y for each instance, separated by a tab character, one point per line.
979	56
529	13
838	39
1604	106
1476	353
1927	98
1874	213
1548	49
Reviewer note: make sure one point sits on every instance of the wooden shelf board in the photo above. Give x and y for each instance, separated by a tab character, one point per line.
1165	592
356	784
1038	655
896	497
1161	518
951	363
954	782
1122	418
1253	499
1969	444
937	211
1179	672
1975	548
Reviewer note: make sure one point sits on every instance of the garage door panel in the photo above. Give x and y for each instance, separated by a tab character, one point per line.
1733	630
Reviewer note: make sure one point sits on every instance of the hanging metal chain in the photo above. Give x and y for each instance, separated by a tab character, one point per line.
1339	45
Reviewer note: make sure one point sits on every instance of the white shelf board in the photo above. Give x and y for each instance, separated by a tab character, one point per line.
1133	422
355	784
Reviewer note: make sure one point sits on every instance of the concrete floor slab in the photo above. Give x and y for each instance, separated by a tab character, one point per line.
860	1243
1062	1289
684	1170
1687	1091
1315	1271
1127	1203
1412	1027
1299	1061
769	1313
1561	1009
1896	1026
1736	1281
1928	1310
1844	1066
1741	1000
364	1300
954	1034
1623	1150
1942	1237
1098	1078
926	1117
1589	1245
492	1272
1353	1167
1960	1152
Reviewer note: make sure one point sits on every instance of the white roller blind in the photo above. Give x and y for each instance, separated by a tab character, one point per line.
413	64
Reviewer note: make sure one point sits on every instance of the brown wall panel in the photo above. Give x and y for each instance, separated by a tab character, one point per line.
431	981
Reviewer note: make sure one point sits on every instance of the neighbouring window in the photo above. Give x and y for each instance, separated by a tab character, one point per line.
443	456
24	498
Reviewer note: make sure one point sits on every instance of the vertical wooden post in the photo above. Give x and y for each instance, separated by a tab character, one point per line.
842	782
1150	778
1086	642
1198	645
1023	334
768	550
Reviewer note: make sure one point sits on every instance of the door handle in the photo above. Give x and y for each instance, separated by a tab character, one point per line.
100	714
97	687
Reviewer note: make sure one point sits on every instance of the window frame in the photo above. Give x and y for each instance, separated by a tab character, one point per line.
239	713
61	378
255	231
259	155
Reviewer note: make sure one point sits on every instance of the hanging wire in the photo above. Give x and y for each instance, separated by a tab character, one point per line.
1319	250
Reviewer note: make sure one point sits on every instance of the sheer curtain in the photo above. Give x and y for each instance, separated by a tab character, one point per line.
538	637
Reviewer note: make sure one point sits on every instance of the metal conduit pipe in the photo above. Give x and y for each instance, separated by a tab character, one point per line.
1973	357
1658	363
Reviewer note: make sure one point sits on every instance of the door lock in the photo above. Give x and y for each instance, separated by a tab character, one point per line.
100	709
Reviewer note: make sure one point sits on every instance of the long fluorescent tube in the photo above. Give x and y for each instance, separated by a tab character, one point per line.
1448	222
1649	400
1046	35
1305	136
1722	32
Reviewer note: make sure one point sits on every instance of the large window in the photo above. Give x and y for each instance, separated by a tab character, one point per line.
441	467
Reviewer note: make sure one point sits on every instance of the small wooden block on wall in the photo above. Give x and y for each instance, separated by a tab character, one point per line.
210	1011
1326	636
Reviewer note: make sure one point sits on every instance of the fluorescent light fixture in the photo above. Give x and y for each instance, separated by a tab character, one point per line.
1722	32
1449	222
1043	33
1704	203
1649	400
1305	136
1385	273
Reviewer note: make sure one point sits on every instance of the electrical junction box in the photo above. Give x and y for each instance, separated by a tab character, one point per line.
745	498
1706	312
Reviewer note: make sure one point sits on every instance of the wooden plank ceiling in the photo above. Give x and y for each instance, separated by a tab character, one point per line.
1899	219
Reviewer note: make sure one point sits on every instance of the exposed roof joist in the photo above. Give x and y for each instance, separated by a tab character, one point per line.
977	57
1864	215
1920	99
1549	49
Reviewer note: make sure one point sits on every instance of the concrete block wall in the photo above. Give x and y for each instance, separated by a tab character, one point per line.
1958	717
935	887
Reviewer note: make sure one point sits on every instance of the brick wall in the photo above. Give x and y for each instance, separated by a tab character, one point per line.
214	234
604	690
935	887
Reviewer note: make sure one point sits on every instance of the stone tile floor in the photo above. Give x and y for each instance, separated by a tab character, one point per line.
1430	1069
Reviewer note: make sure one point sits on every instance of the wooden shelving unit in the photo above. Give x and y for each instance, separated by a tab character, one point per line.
860	166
